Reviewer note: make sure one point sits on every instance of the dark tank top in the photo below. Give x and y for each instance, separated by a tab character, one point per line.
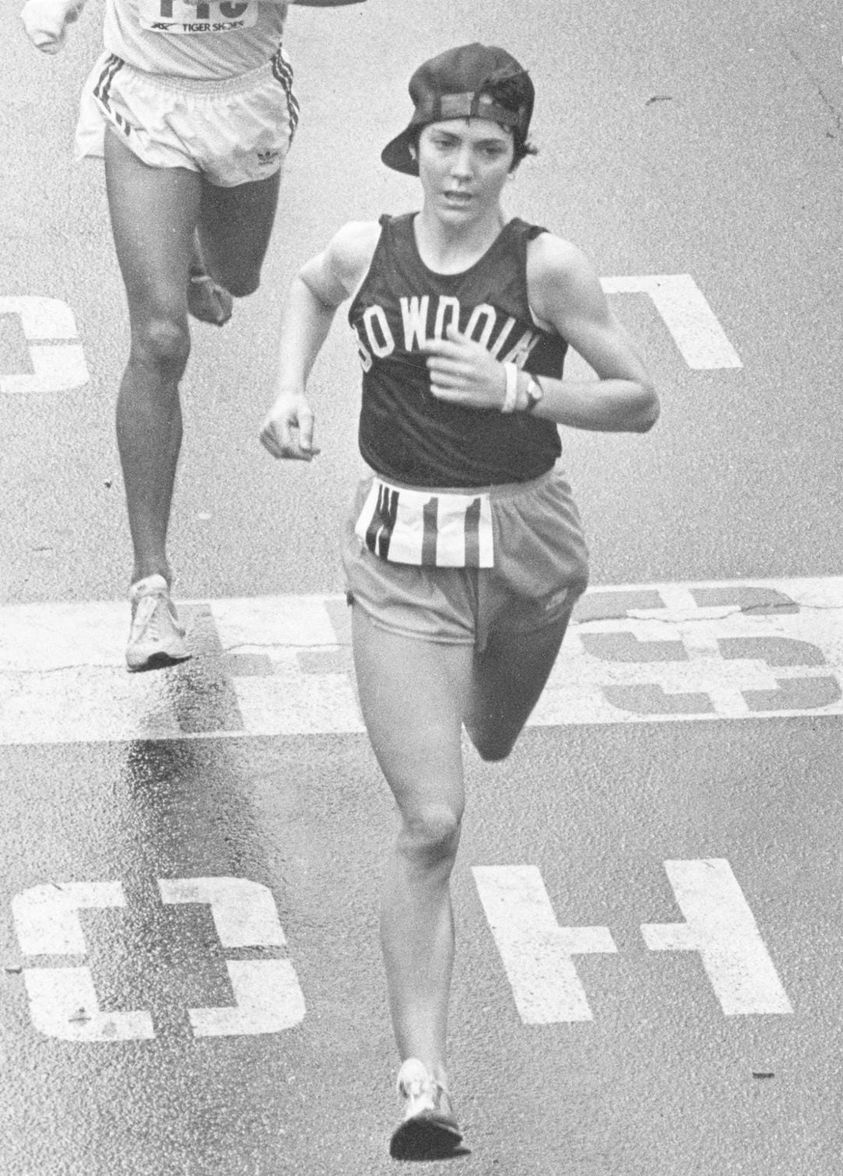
405	433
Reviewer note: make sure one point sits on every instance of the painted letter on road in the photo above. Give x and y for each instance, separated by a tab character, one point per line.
720	926
56	355
537	953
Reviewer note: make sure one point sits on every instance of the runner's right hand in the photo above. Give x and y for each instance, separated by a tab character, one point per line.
287	431
46	22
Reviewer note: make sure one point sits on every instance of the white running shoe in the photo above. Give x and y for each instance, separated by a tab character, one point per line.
428	1130
156	638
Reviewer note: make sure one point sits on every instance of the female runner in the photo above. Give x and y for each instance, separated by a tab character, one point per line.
464	553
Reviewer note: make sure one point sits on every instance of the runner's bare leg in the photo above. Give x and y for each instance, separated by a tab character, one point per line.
508	678
154	212
234	228
235	225
412	694
157	215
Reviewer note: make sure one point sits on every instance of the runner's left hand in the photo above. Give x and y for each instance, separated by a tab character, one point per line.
464	372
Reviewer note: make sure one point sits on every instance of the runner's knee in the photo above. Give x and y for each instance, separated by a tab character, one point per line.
431	834
162	343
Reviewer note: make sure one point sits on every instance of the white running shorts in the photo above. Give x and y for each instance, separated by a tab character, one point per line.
231	130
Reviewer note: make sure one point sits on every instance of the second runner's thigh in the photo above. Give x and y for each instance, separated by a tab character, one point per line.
243	131
119	96
233	131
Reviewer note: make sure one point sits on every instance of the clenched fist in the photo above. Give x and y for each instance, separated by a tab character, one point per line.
46	22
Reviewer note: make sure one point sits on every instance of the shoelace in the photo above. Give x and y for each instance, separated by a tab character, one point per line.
418	1087
146	610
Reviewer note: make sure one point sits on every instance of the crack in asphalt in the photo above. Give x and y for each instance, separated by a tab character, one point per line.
764	610
827	102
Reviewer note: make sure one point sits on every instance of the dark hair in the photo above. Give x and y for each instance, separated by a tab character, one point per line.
513	92
523	148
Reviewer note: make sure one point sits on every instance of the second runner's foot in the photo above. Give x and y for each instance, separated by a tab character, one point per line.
156	639
429	1130
207	301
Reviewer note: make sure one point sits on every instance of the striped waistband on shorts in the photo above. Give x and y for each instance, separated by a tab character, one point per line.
277	67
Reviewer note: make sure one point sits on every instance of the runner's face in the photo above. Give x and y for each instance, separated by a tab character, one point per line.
463	166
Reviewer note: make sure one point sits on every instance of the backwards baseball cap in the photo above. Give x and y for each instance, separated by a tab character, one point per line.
471	81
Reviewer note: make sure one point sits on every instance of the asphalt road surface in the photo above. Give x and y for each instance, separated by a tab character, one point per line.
648	893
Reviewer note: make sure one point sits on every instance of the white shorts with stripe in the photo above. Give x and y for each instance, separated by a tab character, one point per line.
231	130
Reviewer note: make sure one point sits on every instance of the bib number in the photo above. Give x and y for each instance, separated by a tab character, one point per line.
207	16
426	529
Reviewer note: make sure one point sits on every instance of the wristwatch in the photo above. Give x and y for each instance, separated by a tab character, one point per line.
533	392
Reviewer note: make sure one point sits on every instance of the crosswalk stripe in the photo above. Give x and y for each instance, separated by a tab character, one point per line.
281	665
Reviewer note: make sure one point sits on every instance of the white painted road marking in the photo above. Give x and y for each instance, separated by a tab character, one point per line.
47	917
721	927
57	365
694	651
63	1000
267	994
686	314
282	664
63	1003
267	999
537	953
244	912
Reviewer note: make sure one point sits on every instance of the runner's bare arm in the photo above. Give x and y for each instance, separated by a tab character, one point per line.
46	21
322	284
566	297
566	294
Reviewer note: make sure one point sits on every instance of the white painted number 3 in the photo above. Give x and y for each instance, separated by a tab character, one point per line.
266	992
55	353
63	1000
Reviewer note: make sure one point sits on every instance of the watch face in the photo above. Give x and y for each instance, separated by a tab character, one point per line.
533	394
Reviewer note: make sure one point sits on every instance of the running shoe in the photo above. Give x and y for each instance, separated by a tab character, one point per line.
207	301
156	638
428	1130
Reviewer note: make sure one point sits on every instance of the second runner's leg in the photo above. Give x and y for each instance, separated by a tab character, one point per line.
154	212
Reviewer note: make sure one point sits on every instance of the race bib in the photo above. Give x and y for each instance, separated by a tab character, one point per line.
213	16
427	529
